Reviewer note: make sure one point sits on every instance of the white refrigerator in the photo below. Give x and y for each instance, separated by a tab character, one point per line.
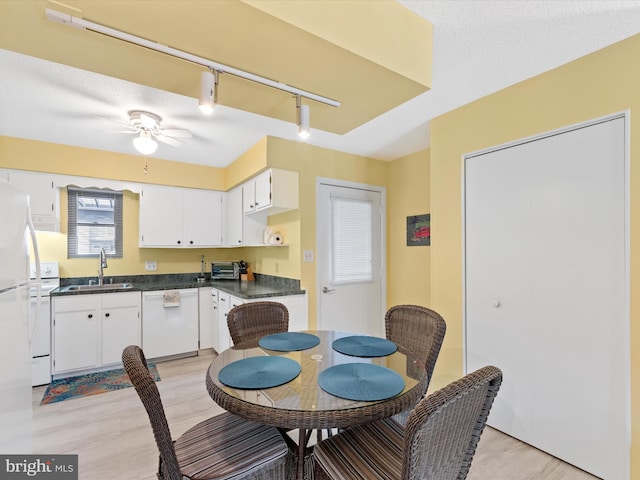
15	354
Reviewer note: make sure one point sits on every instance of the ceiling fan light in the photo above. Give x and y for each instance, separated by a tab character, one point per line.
145	144
207	91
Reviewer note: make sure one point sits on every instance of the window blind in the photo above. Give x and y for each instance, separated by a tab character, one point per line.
94	222
351	240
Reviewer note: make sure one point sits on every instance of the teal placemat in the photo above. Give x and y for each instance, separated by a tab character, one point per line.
289	341
255	373
361	381
364	346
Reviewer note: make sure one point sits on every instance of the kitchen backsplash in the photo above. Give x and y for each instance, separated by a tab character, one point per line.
177	278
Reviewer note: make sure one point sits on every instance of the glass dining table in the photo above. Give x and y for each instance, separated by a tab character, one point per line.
302	403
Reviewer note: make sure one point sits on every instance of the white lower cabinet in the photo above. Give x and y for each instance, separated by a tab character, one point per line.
225	303
296	304
90	331
121	324
169	322
208	317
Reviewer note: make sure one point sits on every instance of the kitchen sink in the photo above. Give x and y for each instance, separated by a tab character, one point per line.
97	288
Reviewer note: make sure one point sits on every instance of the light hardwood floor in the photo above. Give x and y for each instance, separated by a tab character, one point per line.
113	439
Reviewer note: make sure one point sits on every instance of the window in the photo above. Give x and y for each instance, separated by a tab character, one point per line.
352	241
95	222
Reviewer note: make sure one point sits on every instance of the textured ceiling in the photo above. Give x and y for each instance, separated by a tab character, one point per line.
479	47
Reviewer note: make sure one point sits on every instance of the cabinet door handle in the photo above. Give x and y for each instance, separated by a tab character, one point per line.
106	314
191	242
90	315
179	242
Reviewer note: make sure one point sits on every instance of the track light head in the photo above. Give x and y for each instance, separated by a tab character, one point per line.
302	112
208	91
145	143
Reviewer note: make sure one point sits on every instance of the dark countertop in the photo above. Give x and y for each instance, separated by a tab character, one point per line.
265	285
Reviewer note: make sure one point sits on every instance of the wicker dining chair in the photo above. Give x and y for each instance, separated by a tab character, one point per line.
251	321
438	442
223	447
418	332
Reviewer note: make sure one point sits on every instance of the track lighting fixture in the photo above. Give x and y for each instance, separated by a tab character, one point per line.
207	87
145	143
302	114
208	91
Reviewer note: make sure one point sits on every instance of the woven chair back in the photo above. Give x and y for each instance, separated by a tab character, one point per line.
443	430
418	332
251	321
135	364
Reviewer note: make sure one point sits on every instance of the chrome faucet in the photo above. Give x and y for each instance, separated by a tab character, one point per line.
103	265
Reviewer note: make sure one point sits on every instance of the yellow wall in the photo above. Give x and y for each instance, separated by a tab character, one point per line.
408	268
598	84
247	164
53	158
312	162
297	227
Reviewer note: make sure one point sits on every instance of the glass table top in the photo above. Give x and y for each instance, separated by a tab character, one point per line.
303	393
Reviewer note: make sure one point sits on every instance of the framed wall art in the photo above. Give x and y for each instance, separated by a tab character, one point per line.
419	230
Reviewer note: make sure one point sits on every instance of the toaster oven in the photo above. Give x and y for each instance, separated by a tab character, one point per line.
225	270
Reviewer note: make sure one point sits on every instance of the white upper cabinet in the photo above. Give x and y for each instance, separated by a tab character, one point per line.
234	235
160	217
249	196
43	197
172	217
263	189
272	191
202	218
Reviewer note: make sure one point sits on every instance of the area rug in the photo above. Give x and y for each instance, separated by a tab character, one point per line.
90	384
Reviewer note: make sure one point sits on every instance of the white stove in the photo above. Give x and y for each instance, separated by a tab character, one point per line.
41	336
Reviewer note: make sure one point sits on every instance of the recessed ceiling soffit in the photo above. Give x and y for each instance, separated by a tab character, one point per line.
370	55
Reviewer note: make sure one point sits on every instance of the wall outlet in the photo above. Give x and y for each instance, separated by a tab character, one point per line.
307	256
150	266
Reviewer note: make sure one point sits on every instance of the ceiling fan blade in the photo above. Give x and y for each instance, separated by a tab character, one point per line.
176	132
125	125
168	140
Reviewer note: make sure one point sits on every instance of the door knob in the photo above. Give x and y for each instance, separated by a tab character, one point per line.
328	290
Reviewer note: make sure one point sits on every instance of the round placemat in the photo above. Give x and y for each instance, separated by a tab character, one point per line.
361	381
255	373
364	346
288	341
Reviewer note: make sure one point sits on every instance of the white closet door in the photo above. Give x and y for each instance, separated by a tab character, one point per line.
545	288
497	235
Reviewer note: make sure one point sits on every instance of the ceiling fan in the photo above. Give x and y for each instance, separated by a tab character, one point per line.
147	126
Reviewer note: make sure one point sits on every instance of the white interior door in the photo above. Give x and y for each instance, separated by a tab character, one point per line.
546	291
350	259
